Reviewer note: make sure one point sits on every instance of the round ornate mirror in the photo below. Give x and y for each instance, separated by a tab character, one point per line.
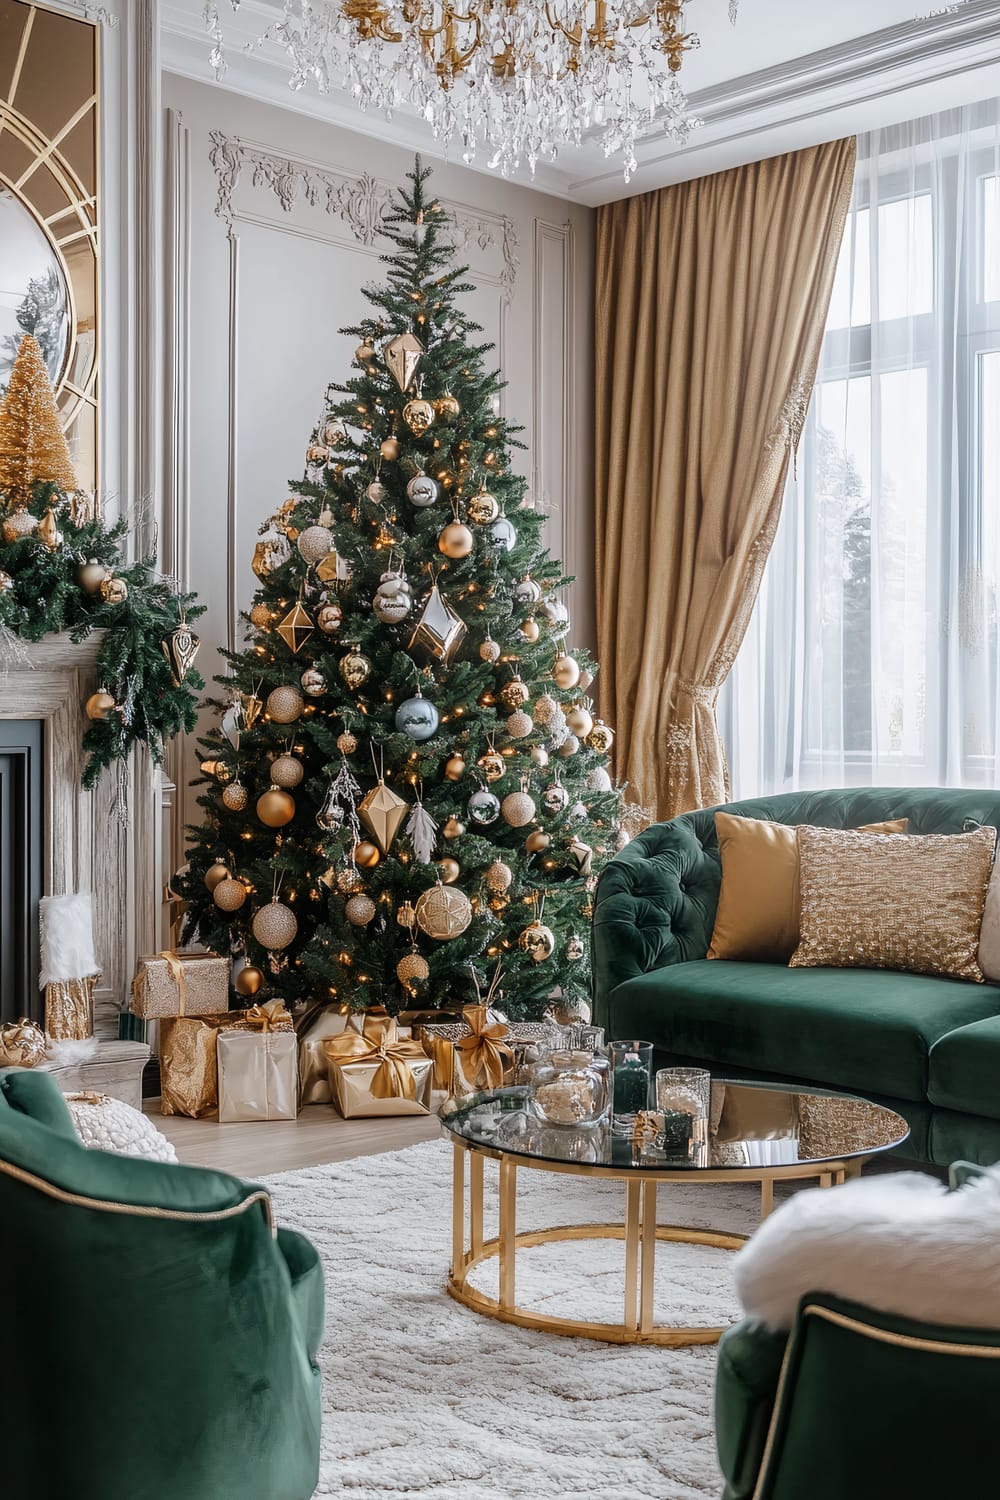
34	296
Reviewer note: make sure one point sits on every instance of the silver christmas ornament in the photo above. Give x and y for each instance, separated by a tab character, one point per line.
418	718
484	808
423	490
502	534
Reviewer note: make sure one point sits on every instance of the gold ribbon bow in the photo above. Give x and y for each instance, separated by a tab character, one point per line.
484	1051
177	974
379	1043
270	1017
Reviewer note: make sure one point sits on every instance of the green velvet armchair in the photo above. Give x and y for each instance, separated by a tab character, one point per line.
159	1339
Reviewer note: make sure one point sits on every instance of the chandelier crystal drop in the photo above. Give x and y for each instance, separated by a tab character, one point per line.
522	77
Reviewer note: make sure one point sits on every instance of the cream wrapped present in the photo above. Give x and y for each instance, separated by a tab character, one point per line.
259	1067
377	1072
180	984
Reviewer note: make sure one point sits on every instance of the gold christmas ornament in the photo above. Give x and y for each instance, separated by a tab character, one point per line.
499	877
235	797
489	650
275	808
99	705
456	540
252	710
91	575
538	941
260	615
454	767
229	894
22	1044
6	582
486	698
540	755
513	694
601	737
217	768
180	648
580	721
359	910
450	870
114	590
287	771
366	854
492	765
330	617
271	553
519	725
296	628
439	630
412	970
316	453
382	811
346	742
349	880
355	669
312	682
334	433
447	405
566	672
377	492
443	912
330	569
390	449
517	809
418	415
537	842
315	543
482	508
249	981
402	355
365	351
581	856
215	873
275	925
285	705
529	631
406	916
453	828
17	525
48	532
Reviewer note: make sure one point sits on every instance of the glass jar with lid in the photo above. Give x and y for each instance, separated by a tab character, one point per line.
570	1088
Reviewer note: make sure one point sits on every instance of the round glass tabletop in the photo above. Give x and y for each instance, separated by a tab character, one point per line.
751	1125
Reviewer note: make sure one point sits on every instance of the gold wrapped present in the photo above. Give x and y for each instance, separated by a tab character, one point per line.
180	984
482	1059
376	1072
258	1066
189	1073
319	1022
69	1008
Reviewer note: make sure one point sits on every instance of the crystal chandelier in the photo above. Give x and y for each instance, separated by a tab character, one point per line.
524	77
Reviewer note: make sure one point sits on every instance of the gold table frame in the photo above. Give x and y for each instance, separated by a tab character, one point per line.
640	1232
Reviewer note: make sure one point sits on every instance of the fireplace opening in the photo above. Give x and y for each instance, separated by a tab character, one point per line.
21	866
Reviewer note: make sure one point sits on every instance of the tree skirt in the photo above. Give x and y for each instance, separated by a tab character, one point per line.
424	1398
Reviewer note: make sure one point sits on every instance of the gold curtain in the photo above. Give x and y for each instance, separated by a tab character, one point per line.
711	299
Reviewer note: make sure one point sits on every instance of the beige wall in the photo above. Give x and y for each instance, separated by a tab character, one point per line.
271	223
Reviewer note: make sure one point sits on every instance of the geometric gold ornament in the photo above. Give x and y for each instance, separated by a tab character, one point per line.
382	812
439	630
296	628
180	648
326	568
402	356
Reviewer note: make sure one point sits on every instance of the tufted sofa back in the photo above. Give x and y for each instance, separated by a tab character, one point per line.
656	900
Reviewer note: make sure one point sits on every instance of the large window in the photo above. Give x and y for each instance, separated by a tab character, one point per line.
874	653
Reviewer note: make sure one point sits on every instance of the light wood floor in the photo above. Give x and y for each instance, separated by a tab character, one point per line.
318	1135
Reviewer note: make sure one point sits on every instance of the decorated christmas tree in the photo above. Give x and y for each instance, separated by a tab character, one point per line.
408	787
31	439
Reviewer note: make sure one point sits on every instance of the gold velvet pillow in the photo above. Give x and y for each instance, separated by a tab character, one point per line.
877	901
758	913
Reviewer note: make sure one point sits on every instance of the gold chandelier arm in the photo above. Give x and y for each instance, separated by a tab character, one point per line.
371	20
452	60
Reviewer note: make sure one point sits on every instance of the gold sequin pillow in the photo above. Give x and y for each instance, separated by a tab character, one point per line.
892	901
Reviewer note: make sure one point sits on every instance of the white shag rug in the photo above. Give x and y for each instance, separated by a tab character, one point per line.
427	1399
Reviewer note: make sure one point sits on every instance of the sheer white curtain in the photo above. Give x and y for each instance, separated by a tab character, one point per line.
874	652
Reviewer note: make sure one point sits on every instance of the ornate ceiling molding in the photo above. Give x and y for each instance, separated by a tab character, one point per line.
358	200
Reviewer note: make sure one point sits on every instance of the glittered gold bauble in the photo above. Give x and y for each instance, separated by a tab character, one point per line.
519	725
447	405
99	705
390	449
334	433
489	650
580	721
19	524
538	941
355	669
545	710
569	746
296	628
22	1044
454	767
229	894
349	881
260	616
275	808
275	925
443	912
513	694
517	809
499	877
314	543
330	618
418	415
360	910
313	682
537	842
235	796
492	765
91	575
215	873
449	869
566	672
482	508
367	854
406	916
249	981
48	532
287	771
412	970
453	828
316	453
456	540
529	631
601	737
539	755
285	705
347	742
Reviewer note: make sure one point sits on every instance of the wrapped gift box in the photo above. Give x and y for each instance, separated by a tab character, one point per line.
319	1022
180	984
188	1051
259	1069
484	1059
376	1071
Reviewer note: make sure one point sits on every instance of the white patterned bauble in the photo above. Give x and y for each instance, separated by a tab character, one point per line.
502	534
519	725
518	809
275	925
315	543
443	912
545	709
390	609
527	591
423	490
105	1124
360	910
598	780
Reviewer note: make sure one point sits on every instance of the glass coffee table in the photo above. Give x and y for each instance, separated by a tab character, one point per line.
755	1133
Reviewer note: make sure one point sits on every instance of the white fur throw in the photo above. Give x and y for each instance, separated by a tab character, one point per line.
106	1124
900	1244
67	938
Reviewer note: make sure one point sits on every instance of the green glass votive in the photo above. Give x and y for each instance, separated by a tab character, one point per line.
631	1072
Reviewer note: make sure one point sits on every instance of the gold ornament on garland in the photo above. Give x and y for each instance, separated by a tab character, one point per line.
439	630
406	916
22	1044
450	869
99	705
349	880
382	811
538	941
402	355
275	925
260	615
453	828
330	617
454	767
456	540
215	873
517	808
482	508
365	350
287	771
566	672
499	877
114	590
601	737
580	720
389	449
296	628
48	532
537	842
355	669
180	648
347	742
513	694
315	543
447	405
313	682
91	575
443	912
418	415
366	854
492	765
275	807
19	524
489	650
252	709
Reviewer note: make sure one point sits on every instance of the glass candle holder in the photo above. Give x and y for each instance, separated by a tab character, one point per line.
631	1076
688	1090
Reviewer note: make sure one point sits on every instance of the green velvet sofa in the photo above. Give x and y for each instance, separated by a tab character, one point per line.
928	1047
159	1340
